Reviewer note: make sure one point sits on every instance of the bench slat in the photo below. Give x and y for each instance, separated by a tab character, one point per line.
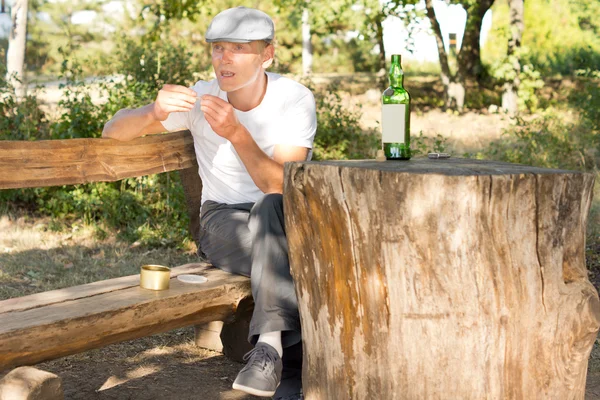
74	161
90	289
34	335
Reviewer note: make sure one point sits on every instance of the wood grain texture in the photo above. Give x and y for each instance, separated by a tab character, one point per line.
44	299
438	279
42	333
74	161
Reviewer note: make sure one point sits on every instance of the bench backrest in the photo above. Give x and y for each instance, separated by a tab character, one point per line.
25	164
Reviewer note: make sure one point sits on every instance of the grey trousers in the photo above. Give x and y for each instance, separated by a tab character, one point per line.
249	239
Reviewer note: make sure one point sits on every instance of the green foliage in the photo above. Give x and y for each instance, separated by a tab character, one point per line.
339	136
530	81
547	141
587	98
150	209
54	26
561	35
556	138
422	145
81	118
20	119
344	56
155	63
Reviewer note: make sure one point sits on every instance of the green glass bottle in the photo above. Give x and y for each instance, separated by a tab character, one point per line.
395	119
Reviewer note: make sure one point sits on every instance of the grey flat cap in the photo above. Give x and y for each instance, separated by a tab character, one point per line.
240	25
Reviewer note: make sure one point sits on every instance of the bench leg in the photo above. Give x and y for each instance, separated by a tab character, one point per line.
231	338
28	383
208	335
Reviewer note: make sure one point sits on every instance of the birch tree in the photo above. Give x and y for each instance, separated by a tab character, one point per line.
511	86
15	62
307	47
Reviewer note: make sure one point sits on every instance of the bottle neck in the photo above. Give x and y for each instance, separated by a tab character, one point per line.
396	75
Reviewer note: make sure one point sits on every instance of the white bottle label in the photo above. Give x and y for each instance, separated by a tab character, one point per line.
393	123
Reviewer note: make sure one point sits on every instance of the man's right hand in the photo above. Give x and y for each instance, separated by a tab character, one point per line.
129	124
173	98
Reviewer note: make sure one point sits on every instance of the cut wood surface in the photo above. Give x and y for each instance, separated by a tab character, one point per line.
441	279
76	323
74	161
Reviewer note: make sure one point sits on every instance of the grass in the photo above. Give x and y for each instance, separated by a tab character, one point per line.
34	258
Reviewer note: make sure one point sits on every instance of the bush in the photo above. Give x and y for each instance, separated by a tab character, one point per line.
20	119
339	135
562	35
555	138
530	81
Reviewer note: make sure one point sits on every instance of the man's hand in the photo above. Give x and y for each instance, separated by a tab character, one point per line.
173	98
220	115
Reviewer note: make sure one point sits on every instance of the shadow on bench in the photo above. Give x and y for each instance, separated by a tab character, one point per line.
58	323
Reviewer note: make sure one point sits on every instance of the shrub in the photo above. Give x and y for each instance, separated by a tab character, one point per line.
555	138
20	119
339	135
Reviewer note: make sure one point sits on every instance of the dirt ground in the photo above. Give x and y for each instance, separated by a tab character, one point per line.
164	367
161	367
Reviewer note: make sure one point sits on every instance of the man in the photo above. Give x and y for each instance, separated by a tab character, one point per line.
246	124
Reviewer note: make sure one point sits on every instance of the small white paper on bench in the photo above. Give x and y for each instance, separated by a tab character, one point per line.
192	278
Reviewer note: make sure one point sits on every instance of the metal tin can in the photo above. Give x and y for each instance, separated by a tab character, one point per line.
155	277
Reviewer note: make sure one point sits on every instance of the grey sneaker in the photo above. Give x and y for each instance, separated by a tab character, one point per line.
262	373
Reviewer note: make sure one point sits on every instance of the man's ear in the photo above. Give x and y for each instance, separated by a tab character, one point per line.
268	55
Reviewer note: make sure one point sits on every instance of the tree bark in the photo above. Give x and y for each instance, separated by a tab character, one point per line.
517	26
16	48
307	47
379	35
469	57
454	87
430	279
73	161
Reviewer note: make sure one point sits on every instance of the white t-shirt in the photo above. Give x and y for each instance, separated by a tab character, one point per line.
286	115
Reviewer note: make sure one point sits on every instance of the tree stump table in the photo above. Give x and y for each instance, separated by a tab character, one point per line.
441	279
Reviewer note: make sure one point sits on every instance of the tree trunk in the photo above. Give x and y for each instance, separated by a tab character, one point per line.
379	34
16	48
454	88
407	290
469	57
511	88
307	48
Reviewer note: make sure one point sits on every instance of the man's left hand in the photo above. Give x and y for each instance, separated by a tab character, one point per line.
220	116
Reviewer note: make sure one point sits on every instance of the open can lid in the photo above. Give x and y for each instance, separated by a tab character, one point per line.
192	279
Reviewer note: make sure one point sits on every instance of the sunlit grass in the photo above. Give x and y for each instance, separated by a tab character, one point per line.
34	258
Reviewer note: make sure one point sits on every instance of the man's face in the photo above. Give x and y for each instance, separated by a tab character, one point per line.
238	65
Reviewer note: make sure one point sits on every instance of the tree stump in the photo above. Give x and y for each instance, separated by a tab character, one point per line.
441	279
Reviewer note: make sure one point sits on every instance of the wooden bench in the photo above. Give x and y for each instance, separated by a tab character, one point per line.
57	323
